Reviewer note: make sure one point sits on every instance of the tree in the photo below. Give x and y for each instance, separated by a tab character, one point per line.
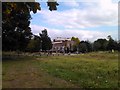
52	5
82	47
89	46
34	44
76	42
100	45
85	46
112	44
15	23
46	41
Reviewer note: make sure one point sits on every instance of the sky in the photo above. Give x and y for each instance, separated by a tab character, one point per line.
85	19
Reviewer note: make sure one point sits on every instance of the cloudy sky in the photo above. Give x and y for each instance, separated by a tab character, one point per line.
85	19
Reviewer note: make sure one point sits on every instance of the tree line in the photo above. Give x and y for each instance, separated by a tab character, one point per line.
33	43
43	43
98	45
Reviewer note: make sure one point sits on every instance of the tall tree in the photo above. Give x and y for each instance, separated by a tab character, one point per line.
16	20
112	44
15	24
46	41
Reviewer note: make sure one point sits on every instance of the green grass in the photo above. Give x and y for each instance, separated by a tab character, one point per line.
92	70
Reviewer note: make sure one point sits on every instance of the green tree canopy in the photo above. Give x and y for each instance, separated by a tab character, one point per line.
85	46
100	44
15	23
76	43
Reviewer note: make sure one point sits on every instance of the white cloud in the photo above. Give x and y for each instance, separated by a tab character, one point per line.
103	12
71	3
36	29
100	13
81	34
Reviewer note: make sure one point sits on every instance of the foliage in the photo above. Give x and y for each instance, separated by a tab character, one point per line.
34	44
15	23
76	42
112	44
46	41
15	39
85	46
74	48
52	5
100	45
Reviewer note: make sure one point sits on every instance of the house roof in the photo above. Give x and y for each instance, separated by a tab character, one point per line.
56	42
62	39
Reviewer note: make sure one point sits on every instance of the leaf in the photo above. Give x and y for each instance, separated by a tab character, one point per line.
52	5
35	7
8	11
38	6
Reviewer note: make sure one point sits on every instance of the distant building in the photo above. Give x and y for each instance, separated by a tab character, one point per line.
61	44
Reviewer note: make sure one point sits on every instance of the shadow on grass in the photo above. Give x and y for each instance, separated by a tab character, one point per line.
15	57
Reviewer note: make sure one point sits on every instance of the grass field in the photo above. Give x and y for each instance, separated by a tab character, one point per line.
92	70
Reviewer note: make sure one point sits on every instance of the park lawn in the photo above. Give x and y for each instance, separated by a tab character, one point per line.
92	70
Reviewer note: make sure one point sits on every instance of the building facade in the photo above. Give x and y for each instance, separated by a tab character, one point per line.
62	44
